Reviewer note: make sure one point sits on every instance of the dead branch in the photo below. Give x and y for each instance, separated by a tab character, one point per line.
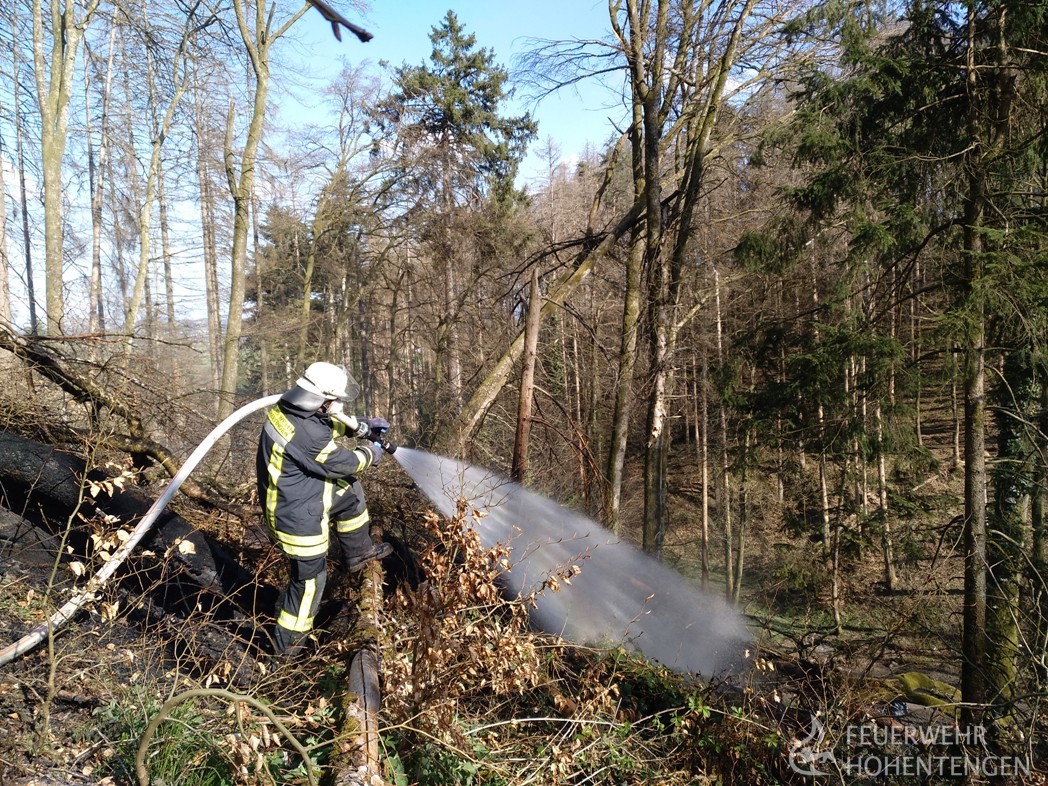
45	358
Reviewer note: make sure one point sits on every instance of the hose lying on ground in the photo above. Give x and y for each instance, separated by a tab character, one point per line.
40	633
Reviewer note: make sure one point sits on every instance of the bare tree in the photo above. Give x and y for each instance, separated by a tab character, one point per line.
527	378
96	183
160	122
258	36
5	266
20	152
55	47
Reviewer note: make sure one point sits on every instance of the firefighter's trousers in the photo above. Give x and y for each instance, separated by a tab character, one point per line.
307	569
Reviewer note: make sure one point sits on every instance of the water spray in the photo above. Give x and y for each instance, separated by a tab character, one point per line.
621	597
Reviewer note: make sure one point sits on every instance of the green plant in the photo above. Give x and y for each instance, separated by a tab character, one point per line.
187	754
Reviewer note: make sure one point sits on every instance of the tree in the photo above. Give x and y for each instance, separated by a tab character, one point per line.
161	113
258	35
20	153
680	58
5	290
921	147
454	149
55	47
96	183
527	379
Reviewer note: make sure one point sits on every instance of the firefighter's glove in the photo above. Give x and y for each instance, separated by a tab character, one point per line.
376	453
377	428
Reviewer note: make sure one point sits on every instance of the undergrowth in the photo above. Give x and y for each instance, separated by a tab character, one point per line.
473	696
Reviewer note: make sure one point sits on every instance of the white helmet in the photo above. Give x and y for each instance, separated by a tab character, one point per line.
329	381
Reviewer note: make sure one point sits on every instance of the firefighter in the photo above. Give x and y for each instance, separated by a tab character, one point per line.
307	486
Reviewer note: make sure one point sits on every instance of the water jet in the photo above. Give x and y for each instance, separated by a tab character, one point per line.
621	597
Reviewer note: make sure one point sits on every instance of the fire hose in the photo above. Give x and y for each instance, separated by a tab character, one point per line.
50	626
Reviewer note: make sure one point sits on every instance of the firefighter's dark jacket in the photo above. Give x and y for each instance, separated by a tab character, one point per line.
303	474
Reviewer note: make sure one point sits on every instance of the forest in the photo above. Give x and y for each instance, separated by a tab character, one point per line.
784	330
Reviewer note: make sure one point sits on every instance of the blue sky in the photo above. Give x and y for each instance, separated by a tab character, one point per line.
401	28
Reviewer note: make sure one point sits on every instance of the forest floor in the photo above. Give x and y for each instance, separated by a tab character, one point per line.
473	695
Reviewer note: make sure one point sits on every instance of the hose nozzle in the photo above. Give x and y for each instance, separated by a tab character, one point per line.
388	446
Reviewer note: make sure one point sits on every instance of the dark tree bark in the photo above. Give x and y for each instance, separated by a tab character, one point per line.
51	480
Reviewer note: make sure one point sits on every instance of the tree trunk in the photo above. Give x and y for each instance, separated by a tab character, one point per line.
702	419
744	510
165	249
367	374
355	758
624	383
585	477
5	263
53	70
159	132
527	379
210	249
835	576
119	239
647	88
257	38
448	363
1013	478
956	410
820	421
887	544
915	353
53	479
619	437
973	666
1039	521
973	644
306	309
263	338
34	322
134	296
96	318
725	462
451	338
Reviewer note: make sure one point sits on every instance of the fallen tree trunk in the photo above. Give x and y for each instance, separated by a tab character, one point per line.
23	541
355	761
43	357
39	477
53	480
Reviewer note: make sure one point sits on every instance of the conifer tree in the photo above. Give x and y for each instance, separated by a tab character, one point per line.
454	150
925	145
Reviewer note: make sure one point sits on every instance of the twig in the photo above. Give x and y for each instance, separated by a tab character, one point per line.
140	757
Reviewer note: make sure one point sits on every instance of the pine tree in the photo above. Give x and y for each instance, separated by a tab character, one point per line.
454	151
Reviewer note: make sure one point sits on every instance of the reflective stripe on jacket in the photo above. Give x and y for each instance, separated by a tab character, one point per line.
303	476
